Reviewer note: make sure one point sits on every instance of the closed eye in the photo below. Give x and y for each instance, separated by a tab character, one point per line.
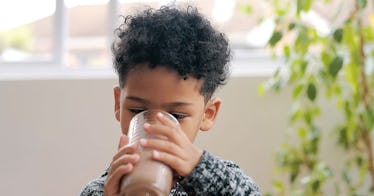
135	110
179	115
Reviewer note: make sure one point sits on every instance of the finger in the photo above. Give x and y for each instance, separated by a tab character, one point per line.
129	149
166	121
112	183
174	162
162	145
126	159
175	132
123	140
158	129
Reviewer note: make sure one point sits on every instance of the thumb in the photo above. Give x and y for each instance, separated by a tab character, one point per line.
123	140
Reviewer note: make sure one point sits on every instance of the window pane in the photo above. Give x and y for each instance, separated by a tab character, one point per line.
129	6
26	30
87	43
226	15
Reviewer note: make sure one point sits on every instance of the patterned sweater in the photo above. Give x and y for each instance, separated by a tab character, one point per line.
211	176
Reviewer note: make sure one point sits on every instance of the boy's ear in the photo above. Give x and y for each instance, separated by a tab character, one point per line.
117	96
210	114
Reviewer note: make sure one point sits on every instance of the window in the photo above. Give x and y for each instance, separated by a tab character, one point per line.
77	34
27	31
87	42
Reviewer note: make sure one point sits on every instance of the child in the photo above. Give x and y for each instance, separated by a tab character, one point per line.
172	60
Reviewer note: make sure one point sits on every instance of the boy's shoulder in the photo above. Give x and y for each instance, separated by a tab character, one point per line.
216	175
95	187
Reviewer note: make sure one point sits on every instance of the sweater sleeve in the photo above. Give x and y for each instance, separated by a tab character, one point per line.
95	187
214	176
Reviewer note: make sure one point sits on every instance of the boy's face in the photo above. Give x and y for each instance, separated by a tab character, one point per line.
162	88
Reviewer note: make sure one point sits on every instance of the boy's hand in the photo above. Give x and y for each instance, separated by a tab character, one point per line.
123	163
177	151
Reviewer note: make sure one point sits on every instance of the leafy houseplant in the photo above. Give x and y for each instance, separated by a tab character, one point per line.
337	65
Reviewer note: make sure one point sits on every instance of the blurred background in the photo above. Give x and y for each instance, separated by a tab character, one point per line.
57	126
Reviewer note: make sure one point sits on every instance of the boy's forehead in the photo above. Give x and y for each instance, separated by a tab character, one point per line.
161	80
145	67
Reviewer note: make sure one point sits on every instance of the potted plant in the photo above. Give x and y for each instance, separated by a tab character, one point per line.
336	64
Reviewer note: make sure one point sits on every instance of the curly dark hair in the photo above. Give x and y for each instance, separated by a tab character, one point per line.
183	40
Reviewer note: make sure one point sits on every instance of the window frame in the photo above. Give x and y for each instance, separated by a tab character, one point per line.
60	32
253	64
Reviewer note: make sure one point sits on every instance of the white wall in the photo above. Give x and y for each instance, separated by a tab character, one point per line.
56	134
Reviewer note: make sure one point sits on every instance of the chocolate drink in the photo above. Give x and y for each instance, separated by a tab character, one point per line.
149	177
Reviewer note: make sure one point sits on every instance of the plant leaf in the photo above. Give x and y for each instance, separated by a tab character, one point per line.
287	51
351	72
302	42
297	91
368	33
335	66
303	5
247	9
261	89
277	35
291	26
312	92
362	3
338	35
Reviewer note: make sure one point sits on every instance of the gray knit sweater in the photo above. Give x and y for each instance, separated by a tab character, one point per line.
211	176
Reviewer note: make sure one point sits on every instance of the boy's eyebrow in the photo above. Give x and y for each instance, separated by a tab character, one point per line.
172	104
137	99
176	104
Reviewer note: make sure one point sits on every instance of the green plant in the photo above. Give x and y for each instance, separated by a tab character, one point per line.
17	38
337	65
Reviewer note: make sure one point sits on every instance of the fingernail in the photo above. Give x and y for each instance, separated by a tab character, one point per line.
156	154
146	125
143	142
159	114
137	157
